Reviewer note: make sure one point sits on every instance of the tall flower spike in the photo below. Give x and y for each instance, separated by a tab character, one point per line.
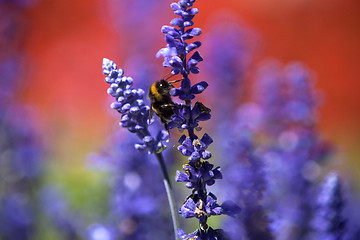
245	182
230	48
197	173
21	167
296	151
21	146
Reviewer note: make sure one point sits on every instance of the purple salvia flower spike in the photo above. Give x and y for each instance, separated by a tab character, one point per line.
130	104
198	173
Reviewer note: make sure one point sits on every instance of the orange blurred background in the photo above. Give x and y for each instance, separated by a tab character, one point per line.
66	41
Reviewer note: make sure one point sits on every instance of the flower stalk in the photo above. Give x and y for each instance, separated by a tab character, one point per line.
169	192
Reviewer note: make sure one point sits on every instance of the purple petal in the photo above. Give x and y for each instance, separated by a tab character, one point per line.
192	63
206	155
170	40
115	105
177	118
206	139
188	23
217	173
187	143
195	112
175	71
179	12
193	11
175	6
194	32
186	112
196	56
203	117
185	84
216	211
181	177
177	22
148	139
193	46
173	124
162	135
175	62
140	146
187	97
230	208
126	107
138	127
199	87
174	34
195	156
134	109
125	117
176	92
195	70
181	234
184	151
181	139
188	209
165	29
210	182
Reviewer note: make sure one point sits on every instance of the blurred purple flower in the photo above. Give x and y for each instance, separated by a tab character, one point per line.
68	223
295	151
98	231
137	199
328	222
287	95
21	169
228	51
245	183
17	217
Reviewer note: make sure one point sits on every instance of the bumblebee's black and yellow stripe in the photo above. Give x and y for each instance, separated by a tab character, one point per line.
161	102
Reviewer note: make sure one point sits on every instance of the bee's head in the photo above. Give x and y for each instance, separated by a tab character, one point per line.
163	86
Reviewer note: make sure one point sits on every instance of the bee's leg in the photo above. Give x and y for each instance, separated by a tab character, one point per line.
151	113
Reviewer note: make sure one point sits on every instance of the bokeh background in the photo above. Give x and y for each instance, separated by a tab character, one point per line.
63	44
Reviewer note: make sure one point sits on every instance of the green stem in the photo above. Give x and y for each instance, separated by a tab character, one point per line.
169	192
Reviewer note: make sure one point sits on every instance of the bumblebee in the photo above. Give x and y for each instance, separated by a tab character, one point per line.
161	102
